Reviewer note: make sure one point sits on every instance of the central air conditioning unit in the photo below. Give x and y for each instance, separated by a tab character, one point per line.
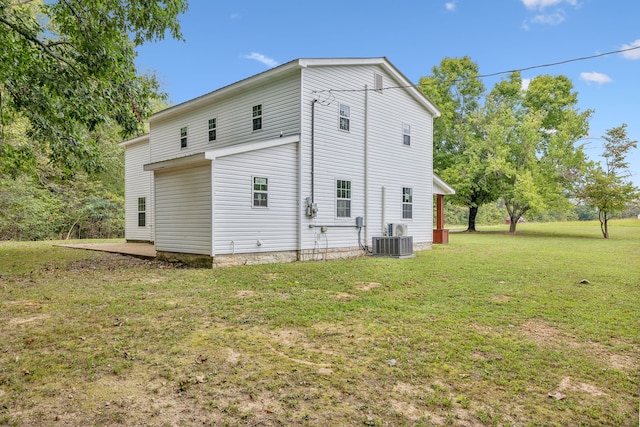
396	246
397	230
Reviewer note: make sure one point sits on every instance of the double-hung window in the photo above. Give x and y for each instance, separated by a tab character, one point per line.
260	192
256	114
407	202
183	137
406	134
212	130
343	198
345	117
142	211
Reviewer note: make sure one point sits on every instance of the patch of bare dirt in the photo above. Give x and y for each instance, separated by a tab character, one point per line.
568	385
344	296
547	335
367	286
501	298
115	262
28	319
245	294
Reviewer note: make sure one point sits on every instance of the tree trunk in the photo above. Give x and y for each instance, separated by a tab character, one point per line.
604	223
473	212
512	225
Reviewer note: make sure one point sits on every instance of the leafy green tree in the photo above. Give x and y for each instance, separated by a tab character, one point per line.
462	153
607	188
540	160
67	67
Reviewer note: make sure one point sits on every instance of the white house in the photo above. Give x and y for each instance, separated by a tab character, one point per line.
314	159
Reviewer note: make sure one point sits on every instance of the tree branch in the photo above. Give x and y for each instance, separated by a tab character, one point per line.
43	46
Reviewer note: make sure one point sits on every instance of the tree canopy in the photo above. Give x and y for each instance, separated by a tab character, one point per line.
512	143
606	186
67	67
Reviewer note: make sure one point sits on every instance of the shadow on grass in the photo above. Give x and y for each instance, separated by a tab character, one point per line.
533	234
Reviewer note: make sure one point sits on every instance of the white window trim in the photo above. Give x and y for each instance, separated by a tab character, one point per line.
337	199
407	203
261	117
214	129
254	191
142	212
406	131
185	137
346	117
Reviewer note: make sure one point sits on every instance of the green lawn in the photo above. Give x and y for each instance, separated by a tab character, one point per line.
491	329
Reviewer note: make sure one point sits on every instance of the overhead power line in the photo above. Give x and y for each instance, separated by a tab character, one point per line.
481	76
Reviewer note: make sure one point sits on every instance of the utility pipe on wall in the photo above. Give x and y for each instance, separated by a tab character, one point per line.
366	164
313	137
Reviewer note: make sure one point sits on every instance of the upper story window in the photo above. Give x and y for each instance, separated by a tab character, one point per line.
407	203
142	211
257	117
260	192
212	130
406	134
345	117
343	198
183	137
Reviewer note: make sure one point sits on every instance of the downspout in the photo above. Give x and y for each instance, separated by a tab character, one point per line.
384	203
366	164
313	137
213	210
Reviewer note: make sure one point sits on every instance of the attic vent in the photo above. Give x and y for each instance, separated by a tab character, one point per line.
397	247
377	84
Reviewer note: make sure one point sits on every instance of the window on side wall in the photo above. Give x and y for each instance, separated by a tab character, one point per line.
260	192
256	115
345	117
407	202
212	130
183	137
406	134
142	211
343	198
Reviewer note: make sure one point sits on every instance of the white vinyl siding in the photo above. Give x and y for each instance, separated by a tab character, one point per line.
138	184
341	155
238	226
183	210
279	98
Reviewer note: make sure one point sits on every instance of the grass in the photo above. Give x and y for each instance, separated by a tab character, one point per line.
492	329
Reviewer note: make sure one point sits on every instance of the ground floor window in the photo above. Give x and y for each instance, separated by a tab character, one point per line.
407	202
343	198
142	211
260	192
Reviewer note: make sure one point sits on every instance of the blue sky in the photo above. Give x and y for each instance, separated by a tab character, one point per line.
229	40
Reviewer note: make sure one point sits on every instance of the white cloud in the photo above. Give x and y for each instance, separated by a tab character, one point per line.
525	84
450	6
263	59
632	54
594	77
542	4
234	16
551	19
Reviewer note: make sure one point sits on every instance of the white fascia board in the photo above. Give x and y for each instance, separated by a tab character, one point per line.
441	187
137	140
177	162
254	146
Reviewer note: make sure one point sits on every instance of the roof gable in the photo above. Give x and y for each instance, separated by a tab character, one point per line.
292	67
